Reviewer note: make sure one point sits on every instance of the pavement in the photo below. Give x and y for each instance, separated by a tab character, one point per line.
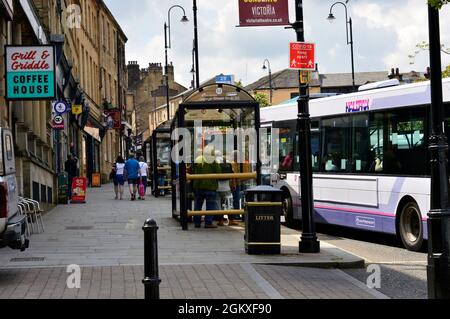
105	238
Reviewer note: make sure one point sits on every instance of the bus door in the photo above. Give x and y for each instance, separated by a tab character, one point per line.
286	164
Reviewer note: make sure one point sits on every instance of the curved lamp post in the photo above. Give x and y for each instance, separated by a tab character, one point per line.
349	27
168	45
270	78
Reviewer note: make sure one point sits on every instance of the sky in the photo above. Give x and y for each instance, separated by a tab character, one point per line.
385	33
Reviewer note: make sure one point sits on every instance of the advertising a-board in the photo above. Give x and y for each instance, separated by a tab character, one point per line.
79	188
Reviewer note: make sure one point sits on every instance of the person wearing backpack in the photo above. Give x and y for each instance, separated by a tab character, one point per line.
143	174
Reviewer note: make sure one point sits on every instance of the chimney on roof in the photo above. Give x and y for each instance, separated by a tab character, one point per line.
133	73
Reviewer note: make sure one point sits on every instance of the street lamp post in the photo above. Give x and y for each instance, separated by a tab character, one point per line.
309	242
270	78
197	67
168	45
439	217
349	33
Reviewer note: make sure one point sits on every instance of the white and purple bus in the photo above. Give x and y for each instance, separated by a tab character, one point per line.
370	159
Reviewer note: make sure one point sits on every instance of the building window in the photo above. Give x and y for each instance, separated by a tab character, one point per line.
50	195
43	194
36	188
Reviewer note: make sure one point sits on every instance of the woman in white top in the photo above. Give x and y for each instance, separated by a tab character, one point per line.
143	174
119	179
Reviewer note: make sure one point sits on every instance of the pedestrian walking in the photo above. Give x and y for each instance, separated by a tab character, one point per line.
119	178
132	175
205	190
143	176
70	167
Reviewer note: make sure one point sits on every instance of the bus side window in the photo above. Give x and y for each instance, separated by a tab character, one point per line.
336	144
286	150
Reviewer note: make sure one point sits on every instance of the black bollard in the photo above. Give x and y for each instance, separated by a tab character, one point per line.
151	280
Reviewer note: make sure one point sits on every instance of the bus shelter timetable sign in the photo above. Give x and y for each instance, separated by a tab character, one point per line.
30	73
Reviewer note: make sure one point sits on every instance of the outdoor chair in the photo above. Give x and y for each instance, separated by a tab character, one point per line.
35	214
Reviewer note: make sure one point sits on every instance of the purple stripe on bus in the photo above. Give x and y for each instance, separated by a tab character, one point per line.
383	223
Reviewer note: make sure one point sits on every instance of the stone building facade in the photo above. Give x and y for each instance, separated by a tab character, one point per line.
90	71
149	90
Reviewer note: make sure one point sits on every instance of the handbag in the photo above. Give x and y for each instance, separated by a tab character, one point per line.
141	188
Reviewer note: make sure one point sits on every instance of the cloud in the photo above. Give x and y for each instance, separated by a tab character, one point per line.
385	33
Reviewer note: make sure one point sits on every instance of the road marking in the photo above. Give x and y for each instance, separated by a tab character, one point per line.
359	284
268	289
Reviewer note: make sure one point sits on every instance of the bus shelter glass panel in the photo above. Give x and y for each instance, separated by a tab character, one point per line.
163	164
226	136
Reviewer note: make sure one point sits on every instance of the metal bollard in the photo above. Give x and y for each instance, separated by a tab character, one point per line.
151	280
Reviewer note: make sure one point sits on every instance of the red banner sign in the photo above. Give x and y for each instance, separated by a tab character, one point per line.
256	13
79	188
113	120
302	56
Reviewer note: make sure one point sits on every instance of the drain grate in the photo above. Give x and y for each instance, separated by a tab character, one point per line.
27	260
79	228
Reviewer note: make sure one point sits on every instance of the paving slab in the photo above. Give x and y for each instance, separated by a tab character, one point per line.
111	235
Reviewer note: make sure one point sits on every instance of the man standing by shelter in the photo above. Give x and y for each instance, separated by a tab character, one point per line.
206	190
132	172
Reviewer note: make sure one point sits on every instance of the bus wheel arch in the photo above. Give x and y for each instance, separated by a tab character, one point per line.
409	225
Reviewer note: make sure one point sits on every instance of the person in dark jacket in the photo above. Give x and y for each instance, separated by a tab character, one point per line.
70	167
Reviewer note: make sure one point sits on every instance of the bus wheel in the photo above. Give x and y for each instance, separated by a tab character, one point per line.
411	227
288	211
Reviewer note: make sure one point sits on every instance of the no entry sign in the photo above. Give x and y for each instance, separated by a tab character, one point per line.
302	56
30	73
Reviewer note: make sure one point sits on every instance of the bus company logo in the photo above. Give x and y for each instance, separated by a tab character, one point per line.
357	106
365	222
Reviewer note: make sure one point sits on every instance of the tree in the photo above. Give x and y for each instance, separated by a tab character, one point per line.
446	72
262	99
437	3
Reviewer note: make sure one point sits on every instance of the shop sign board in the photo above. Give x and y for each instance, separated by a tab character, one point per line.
30	72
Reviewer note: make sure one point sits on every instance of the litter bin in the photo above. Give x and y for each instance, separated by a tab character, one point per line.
263	209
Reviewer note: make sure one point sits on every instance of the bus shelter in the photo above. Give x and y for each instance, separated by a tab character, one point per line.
161	169
221	120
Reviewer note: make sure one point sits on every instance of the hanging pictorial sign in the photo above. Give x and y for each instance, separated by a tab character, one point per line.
58	122
30	73
77	109
302	56
60	107
113	119
257	13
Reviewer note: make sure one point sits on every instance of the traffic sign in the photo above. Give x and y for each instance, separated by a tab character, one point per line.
302	56
60	107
